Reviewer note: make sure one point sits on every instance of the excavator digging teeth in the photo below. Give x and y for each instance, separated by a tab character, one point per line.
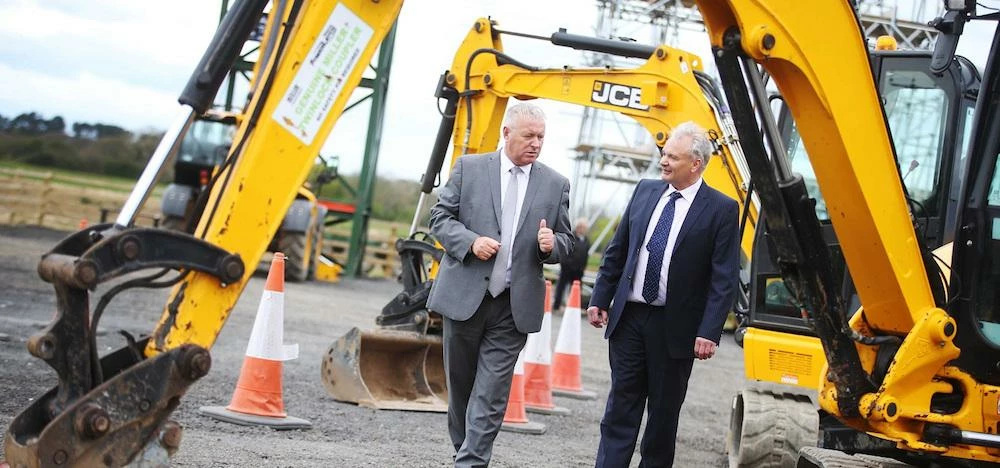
387	369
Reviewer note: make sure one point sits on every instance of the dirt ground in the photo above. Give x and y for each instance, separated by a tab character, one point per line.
343	435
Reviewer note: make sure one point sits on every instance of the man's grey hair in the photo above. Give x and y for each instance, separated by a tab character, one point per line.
701	146
522	111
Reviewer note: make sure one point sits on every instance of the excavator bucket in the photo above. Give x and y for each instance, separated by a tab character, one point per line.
387	369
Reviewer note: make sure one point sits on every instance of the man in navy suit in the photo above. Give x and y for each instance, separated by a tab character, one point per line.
664	289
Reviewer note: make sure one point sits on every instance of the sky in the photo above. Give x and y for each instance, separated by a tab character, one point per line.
124	62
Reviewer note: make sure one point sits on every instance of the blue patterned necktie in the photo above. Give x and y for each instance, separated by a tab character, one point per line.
657	248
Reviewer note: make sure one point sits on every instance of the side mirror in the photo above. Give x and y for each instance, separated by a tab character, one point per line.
951	26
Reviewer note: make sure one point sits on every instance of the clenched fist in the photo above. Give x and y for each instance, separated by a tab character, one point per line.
597	316
485	247
546	240
704	348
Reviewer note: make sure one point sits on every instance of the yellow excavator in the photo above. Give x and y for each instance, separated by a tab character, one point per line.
114	410
909	373
929	115
916	368
400	364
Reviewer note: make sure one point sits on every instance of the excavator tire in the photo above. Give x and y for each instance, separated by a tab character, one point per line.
767	430
815	457
293	245
387	369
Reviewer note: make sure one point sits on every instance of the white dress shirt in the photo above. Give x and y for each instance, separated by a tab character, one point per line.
681	206
522	187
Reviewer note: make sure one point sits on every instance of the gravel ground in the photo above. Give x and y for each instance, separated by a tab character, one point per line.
343	434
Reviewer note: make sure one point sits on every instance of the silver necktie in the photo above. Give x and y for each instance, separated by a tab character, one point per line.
498	279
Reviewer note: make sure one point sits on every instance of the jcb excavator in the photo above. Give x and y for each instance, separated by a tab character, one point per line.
113	410
200	152
400	365
913	371
930	116
917	367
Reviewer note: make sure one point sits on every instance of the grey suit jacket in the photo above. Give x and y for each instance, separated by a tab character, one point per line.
468	207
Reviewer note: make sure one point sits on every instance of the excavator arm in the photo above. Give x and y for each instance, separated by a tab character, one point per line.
669	88
114	411
913	395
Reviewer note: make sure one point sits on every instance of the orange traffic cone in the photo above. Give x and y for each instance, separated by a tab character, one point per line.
516	419
83	224
566	360
257	398
538	365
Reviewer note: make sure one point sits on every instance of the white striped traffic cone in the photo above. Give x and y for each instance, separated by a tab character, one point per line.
257	399
538	365
566	379
515	419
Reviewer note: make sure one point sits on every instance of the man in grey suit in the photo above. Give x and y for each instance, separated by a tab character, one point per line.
500	217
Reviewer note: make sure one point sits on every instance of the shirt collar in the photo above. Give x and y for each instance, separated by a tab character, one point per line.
687	193
506	164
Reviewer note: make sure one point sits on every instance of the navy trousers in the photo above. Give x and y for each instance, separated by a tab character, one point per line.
643	376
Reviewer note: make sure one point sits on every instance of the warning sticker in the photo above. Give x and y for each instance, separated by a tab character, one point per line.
323	73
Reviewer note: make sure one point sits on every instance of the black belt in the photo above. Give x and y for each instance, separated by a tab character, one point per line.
640	306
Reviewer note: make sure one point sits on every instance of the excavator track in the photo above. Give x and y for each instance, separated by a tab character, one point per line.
815	457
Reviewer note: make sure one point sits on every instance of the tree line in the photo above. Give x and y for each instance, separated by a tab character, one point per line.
99	148
30	138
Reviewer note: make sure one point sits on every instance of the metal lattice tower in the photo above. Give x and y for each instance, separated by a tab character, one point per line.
613	151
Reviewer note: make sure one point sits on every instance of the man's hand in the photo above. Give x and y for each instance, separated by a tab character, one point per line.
546	240
598	317
485	247
704	349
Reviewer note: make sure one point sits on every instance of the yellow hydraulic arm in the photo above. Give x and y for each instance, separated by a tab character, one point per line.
825	78
299	94
659	94
113	411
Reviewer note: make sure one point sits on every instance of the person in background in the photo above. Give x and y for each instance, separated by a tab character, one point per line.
572	267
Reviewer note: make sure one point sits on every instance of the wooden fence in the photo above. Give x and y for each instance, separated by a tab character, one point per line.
44	198
64	202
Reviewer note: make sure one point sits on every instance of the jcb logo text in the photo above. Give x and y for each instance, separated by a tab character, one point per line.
617	95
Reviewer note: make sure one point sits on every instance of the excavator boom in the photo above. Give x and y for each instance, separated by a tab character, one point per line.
889	368
114	411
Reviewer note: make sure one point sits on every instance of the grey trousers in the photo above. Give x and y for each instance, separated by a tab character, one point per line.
479	358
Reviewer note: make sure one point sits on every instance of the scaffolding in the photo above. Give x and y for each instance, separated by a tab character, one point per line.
614	152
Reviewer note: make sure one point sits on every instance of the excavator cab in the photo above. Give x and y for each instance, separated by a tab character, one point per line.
976	258
930	119
202	149
200	152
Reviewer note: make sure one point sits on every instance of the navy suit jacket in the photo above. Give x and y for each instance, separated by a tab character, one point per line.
703	270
